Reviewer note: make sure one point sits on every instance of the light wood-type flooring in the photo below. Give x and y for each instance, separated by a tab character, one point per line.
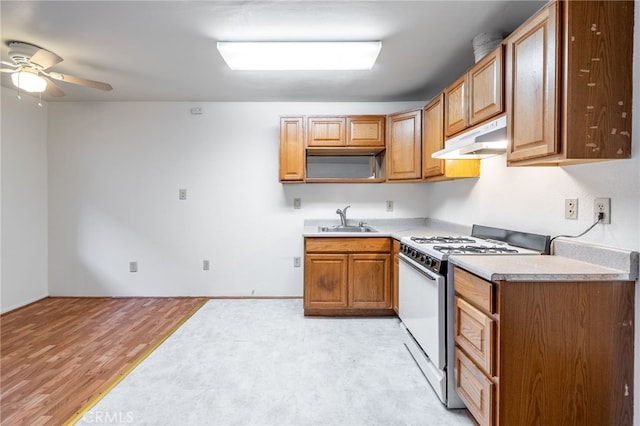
58	353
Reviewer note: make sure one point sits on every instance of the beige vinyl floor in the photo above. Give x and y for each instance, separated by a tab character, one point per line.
261	362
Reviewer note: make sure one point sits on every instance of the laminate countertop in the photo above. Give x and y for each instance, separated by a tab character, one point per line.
537	268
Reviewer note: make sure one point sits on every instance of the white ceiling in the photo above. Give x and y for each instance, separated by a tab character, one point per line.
166	50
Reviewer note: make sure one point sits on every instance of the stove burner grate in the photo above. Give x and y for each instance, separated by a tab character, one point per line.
442	240
474	249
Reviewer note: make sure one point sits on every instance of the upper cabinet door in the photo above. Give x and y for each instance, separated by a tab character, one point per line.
291	149
326	131
404	145
365	130
433	137
455	106
532	82
486	87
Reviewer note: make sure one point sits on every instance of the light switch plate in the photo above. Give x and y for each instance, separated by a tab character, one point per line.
182	194
297	203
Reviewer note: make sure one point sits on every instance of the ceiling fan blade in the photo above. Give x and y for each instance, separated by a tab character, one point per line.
45	59
52	89
81	81
10	64
8	70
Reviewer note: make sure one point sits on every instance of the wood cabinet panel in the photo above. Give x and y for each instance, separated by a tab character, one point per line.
369	281
404	145
291	161
566	353
532	81
596	112
455	106
486	87
325	284
326	131
474	332
475	389
366	130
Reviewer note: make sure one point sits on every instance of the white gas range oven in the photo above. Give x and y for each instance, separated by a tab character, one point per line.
426	297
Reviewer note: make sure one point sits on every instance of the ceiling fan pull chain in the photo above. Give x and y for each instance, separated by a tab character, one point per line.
18	97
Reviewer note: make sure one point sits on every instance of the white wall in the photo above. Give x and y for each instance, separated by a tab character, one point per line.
114	174
24	200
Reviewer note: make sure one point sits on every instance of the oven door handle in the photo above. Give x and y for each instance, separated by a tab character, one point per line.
424	271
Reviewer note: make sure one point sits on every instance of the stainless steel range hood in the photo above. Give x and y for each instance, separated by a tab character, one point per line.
480	142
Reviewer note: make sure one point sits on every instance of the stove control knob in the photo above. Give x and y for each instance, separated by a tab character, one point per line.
428	261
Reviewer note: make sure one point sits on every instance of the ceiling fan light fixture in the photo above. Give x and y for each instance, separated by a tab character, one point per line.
301	56
29	81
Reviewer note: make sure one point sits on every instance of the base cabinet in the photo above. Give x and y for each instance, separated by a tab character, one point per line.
544	353
347	276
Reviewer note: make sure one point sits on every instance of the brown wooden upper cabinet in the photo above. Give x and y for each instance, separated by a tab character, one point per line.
291	149
477	95
568	84
434	169
346	131
404	145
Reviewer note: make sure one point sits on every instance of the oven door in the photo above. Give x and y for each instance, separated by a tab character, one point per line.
421	307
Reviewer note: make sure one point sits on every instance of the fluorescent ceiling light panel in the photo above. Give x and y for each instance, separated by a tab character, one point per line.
284	55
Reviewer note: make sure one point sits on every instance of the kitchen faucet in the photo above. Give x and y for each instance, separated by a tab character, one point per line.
343	216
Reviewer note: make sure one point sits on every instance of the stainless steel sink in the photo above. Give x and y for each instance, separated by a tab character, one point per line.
346	229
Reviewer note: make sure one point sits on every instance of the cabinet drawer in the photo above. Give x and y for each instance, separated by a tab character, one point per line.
473	331
475	290
347	245
475	389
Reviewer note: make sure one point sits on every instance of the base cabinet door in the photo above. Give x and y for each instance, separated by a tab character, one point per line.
369	281
326	280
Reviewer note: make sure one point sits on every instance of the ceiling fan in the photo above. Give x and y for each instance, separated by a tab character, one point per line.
30	70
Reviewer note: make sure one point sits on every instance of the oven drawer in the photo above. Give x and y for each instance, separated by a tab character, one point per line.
475	290
475	389
474	332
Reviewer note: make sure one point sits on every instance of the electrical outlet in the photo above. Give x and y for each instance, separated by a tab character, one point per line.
296	262
205	265
389	206
571	208
133	266
182	194
297	203
602	205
